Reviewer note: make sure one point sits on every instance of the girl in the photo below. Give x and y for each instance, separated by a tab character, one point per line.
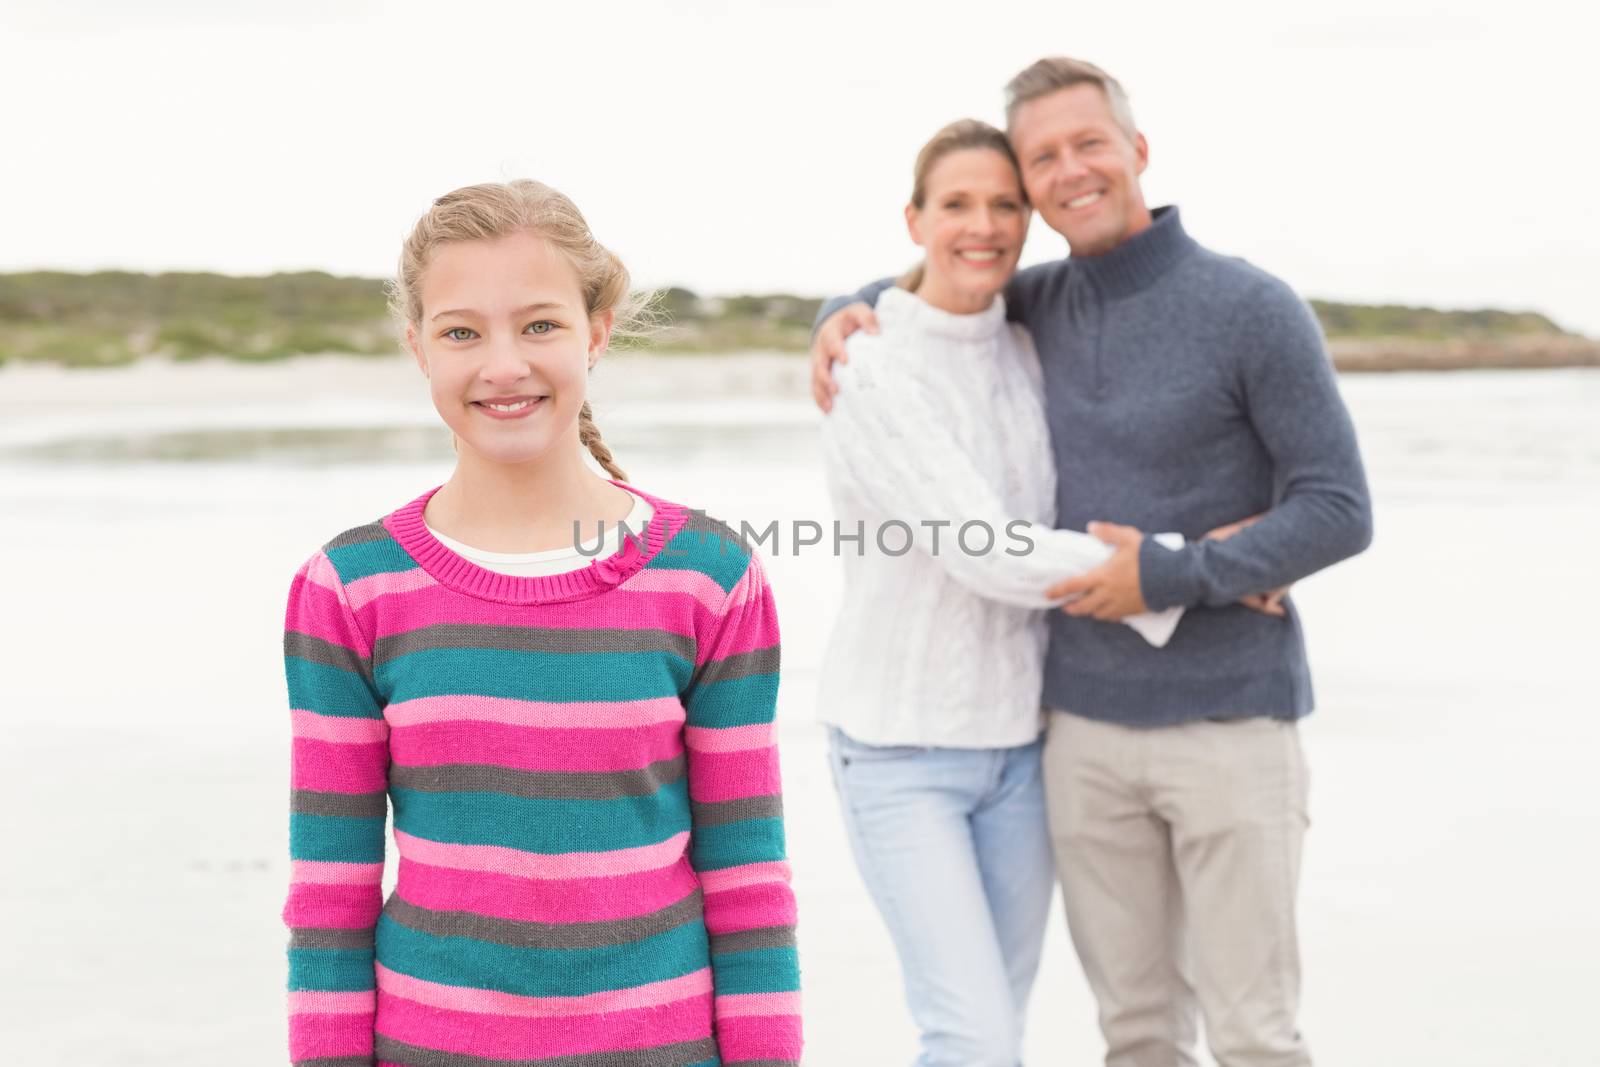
935	666
577	740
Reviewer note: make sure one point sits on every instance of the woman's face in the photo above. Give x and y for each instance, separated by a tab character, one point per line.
506	344
971	225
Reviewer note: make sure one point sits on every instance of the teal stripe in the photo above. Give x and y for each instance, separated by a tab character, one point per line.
542	972
722	559
543	825
328	690
552	676
335	838
734	844
758	970
735	702
339	970
354	562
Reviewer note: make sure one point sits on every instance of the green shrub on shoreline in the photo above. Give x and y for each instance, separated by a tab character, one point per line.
107	318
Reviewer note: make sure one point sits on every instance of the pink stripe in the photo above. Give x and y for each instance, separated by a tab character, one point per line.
364	591
758	1037
338	907
749	874
757	620
494	1002
728	738
339	729
321	572
324	872
594	714
535	749
753	632
717	776
323	1002
500	860
690	583
339	768
736	1004
316	610
749	907
565	900
504	1037
313	1036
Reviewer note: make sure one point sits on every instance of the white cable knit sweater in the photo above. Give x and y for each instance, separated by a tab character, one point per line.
940	418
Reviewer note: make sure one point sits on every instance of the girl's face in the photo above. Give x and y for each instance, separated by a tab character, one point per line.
972	222
506	345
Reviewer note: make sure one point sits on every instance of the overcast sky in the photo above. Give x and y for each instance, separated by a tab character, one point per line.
1392	151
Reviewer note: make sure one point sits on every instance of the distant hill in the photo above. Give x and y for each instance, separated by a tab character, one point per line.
112	317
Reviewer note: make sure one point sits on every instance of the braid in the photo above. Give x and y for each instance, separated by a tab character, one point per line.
589	437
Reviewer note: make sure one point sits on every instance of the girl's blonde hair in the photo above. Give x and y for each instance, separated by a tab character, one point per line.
493	210
956	137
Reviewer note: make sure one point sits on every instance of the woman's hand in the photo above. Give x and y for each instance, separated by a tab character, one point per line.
1268	603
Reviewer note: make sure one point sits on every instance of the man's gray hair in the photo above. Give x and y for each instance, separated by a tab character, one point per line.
1054	73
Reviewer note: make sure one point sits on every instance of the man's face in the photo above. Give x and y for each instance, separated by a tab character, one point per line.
1081	169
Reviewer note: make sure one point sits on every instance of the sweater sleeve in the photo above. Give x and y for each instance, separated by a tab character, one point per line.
867	294
889	438
1322	512
338	801
737	842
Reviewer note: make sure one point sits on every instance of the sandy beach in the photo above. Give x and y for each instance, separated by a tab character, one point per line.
154	514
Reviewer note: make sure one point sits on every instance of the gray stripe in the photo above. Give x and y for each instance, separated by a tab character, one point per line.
740	665
522	934
726	811
539	785
532	639
745	940
315	649
360	535
348	805
336	1061
329	937
679	1055
699	522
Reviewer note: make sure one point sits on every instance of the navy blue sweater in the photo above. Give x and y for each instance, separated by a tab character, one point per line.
1184	390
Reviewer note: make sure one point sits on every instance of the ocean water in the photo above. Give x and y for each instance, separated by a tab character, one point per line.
151	522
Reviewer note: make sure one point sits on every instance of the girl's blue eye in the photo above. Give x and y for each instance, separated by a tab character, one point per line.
541	327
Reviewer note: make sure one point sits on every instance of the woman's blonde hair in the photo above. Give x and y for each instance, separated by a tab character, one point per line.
493	210
956	137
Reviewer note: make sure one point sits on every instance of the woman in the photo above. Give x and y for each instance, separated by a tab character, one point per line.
937	453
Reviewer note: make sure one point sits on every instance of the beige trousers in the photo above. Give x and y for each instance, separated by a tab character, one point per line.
1179	854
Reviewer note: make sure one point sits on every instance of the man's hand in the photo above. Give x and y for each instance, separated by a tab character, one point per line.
1268	603
1111	591
829	346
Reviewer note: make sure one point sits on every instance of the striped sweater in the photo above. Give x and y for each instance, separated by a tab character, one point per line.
586	806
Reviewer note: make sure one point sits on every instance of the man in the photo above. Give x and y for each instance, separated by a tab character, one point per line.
1183	389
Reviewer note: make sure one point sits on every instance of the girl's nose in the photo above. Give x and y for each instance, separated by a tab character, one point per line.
505	363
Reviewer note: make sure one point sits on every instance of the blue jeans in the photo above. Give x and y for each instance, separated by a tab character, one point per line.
954	847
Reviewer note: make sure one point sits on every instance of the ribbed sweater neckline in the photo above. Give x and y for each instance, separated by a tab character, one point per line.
906	307
457	572
1142	258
